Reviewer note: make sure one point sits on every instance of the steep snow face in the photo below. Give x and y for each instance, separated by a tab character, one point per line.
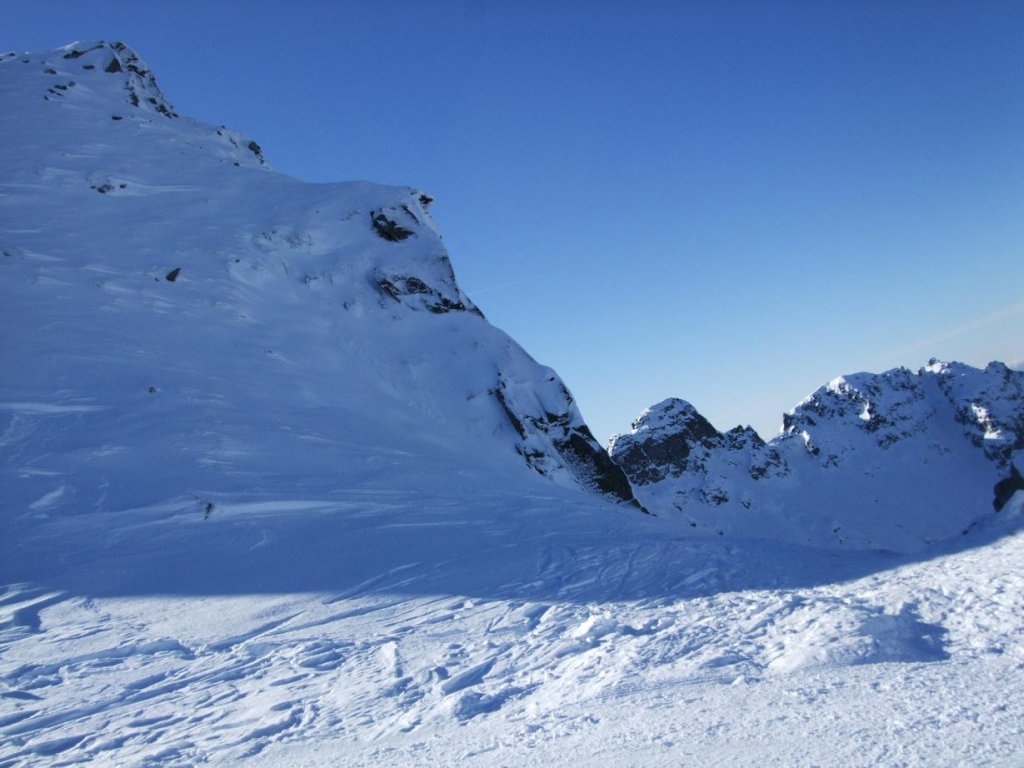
894	460
183	325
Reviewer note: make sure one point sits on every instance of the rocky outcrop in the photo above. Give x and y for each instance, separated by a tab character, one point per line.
553	438
434	289
1011	484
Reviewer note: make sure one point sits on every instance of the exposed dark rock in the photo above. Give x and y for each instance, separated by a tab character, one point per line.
1008	486
172	275
517	424
556	441
672	439
663	442
582	451
715	496
139	81
399	286
416	294
886	405
388	229
990	407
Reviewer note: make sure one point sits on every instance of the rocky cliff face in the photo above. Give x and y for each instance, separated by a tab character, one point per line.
892	460
183	321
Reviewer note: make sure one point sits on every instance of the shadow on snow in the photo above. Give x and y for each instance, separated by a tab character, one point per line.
502	546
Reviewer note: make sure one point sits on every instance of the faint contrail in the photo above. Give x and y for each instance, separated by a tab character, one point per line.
950	333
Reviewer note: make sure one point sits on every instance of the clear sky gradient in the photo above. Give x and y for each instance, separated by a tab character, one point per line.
727	202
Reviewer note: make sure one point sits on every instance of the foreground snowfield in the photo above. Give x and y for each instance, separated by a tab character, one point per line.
267	496
505	629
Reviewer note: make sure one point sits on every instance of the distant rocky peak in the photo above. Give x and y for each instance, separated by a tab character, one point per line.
894	459
663	442
676	416
672	440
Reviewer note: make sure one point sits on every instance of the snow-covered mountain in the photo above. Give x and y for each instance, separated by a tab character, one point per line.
894	460
182	324
274	493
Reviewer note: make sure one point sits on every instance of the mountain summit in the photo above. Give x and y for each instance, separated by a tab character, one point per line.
184	325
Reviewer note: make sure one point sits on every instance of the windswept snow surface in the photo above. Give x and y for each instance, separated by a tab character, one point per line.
268	510
496	628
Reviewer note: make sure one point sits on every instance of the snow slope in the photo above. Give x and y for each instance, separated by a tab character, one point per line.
895	460
273	493
167	297
403	629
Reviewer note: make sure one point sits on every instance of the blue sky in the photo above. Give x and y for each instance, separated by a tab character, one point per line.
726	202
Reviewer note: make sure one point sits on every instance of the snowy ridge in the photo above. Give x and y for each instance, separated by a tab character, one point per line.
895	460
111	82
899	404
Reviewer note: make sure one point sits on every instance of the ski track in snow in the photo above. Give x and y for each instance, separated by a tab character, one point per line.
389	671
